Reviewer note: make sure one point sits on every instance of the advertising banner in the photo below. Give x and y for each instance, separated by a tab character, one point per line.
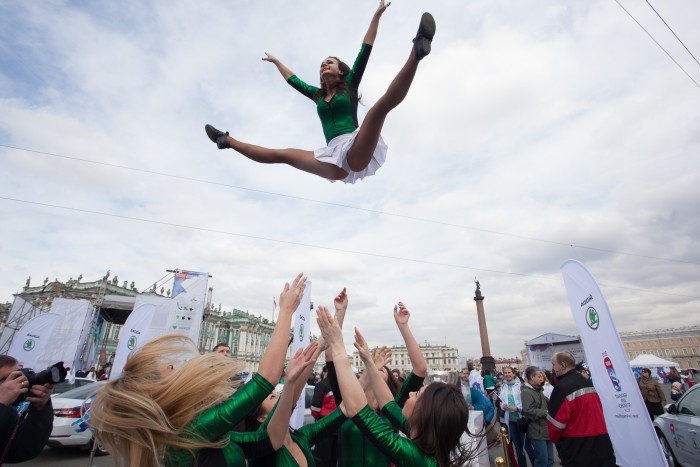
21	312
186	307
626	416
30	341
302	328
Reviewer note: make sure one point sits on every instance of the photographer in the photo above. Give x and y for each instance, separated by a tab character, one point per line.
34	428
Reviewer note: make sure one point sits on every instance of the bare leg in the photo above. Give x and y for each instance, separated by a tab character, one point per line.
297	158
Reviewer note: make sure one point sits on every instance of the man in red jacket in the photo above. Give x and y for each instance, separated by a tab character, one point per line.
575	419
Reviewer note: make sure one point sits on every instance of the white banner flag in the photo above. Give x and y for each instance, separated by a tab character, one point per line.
186	308
30	341
143	324
302	328
626	416
21	312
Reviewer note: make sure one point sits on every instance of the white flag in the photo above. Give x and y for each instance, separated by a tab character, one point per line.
626	416
30	341
301	340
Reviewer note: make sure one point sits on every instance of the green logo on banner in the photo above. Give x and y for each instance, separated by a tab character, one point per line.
301	332
131	343
29	345
592	318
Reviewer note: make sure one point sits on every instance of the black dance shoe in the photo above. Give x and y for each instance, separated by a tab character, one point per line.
219	137
424	36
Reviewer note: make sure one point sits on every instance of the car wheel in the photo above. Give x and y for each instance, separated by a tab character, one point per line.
668	453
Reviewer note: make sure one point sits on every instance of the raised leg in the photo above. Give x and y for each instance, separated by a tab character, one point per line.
360	153
297	158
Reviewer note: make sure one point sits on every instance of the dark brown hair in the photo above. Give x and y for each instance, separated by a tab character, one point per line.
394	384
340	85
6	360
438	421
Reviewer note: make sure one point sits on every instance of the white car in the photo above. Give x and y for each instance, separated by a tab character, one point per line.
679	430
67	385
69	426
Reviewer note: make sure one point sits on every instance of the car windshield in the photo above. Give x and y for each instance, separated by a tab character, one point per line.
81	392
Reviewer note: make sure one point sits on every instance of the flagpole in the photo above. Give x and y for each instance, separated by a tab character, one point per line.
274	303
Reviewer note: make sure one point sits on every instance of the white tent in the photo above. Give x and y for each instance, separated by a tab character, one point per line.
652	361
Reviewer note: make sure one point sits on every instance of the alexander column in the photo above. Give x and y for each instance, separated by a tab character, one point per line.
487	361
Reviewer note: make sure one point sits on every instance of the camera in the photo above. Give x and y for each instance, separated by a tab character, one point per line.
54	374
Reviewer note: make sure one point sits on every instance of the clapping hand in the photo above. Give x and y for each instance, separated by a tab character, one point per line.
330	330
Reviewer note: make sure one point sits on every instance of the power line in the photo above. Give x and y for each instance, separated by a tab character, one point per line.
657	43
347	206
672	32
320	247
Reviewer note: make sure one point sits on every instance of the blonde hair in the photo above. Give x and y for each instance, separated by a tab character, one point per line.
144	410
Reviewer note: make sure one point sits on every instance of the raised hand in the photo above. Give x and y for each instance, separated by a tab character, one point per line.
401	314
270	58
382	357
291	294
300	363
382	7
341	301
330	330
362	347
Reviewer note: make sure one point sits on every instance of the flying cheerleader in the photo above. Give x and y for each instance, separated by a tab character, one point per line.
353	151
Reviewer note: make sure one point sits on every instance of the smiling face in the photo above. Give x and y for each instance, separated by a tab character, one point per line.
508	374
330	69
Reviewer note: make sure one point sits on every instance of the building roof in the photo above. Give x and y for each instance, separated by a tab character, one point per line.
552	338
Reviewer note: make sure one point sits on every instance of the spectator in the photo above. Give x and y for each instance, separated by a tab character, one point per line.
489	382
676	391
33	428
475	398
535	412
575	420
475	378
512	406
81	373
653	395
582	370
223	349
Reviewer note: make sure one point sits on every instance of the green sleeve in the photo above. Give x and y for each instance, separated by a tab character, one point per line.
252	444
216	421
323	426
392	412
399	450
358	68
411	383
302	87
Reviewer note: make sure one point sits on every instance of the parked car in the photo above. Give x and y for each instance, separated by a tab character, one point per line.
67	385
69	426
679	430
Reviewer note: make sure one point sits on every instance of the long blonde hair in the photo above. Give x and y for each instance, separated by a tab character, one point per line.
144	410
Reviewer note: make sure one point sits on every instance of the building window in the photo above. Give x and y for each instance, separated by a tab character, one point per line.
680	340
644	352
630	355
637	352
685	351
668	353
695	352
675	352
660	353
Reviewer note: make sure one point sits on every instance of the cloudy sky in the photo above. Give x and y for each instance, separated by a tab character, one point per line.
534	133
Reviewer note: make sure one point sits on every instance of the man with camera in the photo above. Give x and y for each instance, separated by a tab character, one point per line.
22	435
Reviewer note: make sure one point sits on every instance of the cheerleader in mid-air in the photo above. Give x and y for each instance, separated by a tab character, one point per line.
354	151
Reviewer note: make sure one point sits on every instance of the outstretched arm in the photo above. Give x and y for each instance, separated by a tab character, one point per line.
381	391
284	71
273	358
297	368
353	396
341	306
401	316
374	24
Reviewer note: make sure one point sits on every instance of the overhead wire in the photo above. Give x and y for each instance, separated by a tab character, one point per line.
346	206
657	43
672	32
321	247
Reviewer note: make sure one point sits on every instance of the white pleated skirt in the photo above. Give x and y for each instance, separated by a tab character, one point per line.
336	153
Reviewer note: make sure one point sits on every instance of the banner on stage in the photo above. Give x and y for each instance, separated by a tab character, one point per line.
626	416
30	341
301	339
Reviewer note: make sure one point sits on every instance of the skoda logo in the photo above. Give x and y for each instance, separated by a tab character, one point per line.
131	343
592	318
29	345
301	332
